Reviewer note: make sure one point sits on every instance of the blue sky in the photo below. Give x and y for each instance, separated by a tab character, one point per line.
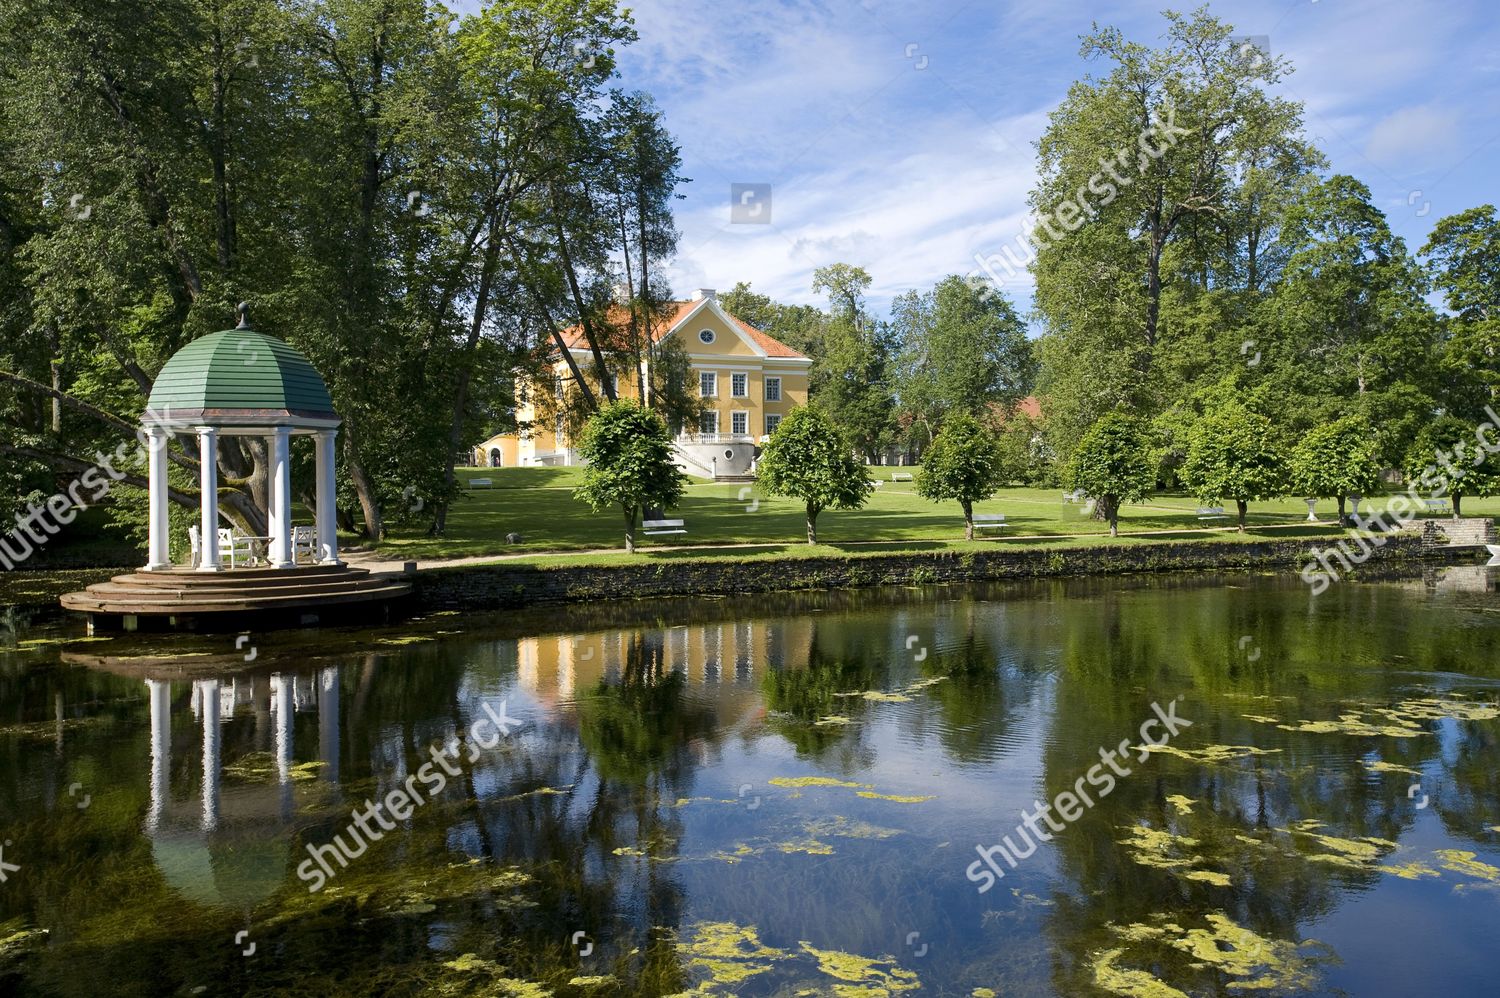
898	134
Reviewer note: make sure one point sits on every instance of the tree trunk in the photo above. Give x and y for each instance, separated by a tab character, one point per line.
629	529
369	503
812	524
968	520
1244	508
1342	520
465	372
1114	524
1458	500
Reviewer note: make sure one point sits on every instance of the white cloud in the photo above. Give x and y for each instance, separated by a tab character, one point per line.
1415	135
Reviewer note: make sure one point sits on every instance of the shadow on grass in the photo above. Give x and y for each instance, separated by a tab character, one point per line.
520	478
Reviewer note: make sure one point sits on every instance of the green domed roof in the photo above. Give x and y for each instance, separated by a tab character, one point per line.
239	371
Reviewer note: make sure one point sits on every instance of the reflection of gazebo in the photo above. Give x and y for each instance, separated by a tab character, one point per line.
245	384
238	383
234	850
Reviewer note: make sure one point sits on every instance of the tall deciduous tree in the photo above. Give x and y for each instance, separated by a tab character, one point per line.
1141	171
965	464
1464	251
958	350
1113	466
851	379
629	456
808	459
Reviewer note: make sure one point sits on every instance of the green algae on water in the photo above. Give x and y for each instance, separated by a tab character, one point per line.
1182	804
1220	947
1209	754
875	977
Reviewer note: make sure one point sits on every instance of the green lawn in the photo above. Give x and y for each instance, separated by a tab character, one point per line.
537	503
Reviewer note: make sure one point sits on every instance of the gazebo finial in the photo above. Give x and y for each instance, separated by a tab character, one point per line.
243	308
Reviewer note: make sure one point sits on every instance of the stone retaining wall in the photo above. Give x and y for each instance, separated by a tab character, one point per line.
491	587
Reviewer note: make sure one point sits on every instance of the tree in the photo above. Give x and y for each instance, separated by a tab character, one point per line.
630	463
807	458
964	463
1235	453
958	349
851	380
1147	202
1336	461
1350	319
1464	251
1113	466
800	327
1445	459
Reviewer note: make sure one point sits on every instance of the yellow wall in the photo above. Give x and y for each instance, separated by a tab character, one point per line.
730	353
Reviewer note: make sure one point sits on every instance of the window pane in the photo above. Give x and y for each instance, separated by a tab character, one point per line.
739	385
740	422
708	384
773	389
708	423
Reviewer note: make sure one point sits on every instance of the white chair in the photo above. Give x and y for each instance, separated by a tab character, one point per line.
233	546
236	547
304	541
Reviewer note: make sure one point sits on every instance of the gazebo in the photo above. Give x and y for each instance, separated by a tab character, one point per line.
239	383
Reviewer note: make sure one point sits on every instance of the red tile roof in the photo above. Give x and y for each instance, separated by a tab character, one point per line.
618	317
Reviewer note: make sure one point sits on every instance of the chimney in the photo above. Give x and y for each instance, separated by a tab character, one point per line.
701	293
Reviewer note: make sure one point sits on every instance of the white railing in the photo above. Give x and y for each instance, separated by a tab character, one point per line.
715	438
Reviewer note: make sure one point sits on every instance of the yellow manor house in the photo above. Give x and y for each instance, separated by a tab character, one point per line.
748	379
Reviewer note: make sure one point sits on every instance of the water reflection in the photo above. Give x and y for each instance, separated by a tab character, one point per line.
818	769
229	847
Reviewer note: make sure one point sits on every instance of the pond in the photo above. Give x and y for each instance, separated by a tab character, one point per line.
831	793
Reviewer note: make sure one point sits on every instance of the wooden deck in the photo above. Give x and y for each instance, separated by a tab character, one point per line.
185	598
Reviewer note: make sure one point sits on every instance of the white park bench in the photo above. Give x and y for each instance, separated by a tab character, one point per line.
1212	513
1438	506
901	476
481	483
990	521
656	528
1077	495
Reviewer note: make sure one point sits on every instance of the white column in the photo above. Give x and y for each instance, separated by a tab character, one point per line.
281	693
281	498
160	697
328	722
328	521
158	545
209	692
208	524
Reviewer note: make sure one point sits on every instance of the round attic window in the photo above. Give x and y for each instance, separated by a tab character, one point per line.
707	336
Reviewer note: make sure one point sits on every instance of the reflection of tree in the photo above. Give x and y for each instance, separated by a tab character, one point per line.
971	697
642	726
796	699
1290	830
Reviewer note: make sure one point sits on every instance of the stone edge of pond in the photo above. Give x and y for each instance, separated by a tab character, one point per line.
501	586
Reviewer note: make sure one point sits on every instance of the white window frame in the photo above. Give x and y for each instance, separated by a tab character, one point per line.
704	417
773	420
739	385
707	336
708	384
773	394
741	417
